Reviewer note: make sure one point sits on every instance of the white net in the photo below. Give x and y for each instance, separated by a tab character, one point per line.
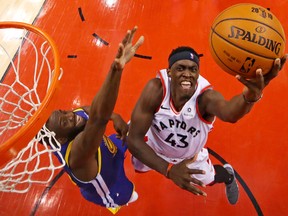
27	63
20	96
34	164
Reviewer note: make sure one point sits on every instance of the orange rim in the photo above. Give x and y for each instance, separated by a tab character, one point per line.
13	145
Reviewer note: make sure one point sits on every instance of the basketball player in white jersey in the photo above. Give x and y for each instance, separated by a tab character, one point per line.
173	116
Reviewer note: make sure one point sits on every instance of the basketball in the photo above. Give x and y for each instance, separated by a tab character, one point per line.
245	37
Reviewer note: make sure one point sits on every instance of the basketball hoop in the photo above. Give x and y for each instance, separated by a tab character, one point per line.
30	66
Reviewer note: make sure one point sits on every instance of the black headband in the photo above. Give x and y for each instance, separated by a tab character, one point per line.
183	55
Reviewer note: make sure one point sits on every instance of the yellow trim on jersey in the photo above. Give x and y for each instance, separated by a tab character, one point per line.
114	210
110	145
68	153
99	160
67	157
78	109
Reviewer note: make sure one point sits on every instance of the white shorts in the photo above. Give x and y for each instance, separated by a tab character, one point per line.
202	162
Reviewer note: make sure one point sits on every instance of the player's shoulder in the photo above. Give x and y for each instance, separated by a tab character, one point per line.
209	92
209	96
152	94
154	85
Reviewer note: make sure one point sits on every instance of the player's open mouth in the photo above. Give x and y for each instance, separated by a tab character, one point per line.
186	84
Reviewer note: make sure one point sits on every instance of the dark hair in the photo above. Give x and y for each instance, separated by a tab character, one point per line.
183	49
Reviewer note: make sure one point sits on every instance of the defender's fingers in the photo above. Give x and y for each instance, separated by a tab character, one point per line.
120	51
132	33
139	43
126	38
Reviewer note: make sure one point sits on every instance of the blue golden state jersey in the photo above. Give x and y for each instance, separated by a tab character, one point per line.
110	188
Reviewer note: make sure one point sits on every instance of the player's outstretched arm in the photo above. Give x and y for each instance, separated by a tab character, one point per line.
234	109
86	144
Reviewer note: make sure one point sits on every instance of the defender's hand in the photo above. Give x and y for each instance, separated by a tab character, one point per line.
126	49
120	127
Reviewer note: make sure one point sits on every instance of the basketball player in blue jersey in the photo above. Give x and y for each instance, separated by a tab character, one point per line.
94	161
173	116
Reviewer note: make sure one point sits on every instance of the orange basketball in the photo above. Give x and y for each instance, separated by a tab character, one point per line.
245	37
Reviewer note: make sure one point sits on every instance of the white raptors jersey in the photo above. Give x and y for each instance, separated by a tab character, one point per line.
176	136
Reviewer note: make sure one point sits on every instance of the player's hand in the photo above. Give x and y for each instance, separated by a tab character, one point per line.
254	86
180	174
120	126
278	65
126	49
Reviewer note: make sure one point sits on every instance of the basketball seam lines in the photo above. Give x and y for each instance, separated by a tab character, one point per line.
270	58
231	69
253	21
220	58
